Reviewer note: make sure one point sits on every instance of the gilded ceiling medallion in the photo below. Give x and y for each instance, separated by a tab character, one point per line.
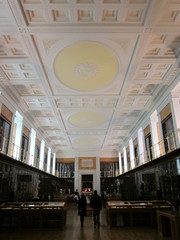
85	66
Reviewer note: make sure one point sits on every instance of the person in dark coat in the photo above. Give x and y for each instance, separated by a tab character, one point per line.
96	205
82	208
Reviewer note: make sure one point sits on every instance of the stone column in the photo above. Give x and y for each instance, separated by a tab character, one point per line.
120	164
97	175
141	146
76	175
132	157
54	163
156	139
125	159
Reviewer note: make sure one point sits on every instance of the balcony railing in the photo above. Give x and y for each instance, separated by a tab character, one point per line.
12	150
168	144
69	174
36	162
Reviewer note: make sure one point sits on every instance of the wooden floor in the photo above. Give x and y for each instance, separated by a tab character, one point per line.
73	231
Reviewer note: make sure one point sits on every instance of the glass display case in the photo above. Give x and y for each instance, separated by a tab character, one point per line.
134	213
33	214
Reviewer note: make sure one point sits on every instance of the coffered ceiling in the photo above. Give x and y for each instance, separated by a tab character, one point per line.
85	71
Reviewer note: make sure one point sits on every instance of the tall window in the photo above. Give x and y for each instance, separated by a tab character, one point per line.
168	134
24	148
122	160
136	155
51	164
36	156
135	144
148	144
5	128
45	161
128	159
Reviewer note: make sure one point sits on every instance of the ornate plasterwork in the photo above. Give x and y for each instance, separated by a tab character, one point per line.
124	43
49	43
86	70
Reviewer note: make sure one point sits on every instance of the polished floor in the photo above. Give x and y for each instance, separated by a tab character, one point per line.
73	231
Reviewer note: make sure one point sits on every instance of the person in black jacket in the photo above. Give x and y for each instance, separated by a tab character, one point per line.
82	208
96	205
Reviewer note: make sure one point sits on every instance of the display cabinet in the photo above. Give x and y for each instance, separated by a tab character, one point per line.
33	214
134	213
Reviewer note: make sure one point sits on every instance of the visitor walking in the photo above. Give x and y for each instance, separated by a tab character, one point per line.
82	208
96	205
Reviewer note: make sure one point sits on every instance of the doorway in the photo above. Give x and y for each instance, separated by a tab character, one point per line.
87	183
